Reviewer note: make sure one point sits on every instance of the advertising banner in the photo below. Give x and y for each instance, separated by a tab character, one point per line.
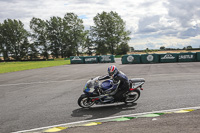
131	59
186	57
106	59
168	58
91	59
77	59
150	58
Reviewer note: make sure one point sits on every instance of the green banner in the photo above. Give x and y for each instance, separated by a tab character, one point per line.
150	58
77	59
186	57
106	59
168	58
198	56
91	59
131	59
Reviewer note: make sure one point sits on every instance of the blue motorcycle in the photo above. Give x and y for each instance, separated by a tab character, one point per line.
100	93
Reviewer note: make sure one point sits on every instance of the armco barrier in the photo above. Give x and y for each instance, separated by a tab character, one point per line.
198	56
91	59
168	57
186	57
131	59
77	59
106	59
150	58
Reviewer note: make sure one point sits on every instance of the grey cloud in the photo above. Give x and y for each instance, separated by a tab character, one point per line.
18	9
190	32
8	1
89	2
184	11
147	4
181	13
168	32
148	24
150	45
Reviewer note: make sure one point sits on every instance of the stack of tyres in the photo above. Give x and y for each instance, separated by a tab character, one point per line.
168	58
198	56
77	59
91	59
131	59
186	57
149	58
106	59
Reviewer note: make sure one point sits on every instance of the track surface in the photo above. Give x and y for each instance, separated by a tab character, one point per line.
48	96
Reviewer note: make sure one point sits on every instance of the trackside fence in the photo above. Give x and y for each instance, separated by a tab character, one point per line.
92	59
161	58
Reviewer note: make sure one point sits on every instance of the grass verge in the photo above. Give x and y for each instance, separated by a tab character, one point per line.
6	67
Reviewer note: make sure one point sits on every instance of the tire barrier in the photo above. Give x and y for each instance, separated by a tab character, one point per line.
92	59
161	58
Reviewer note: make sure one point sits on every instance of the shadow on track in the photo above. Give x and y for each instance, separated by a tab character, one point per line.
102	111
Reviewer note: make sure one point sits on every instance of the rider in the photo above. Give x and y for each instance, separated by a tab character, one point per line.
117	77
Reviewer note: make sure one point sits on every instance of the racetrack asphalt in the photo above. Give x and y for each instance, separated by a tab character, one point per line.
182	120
186	122
48	96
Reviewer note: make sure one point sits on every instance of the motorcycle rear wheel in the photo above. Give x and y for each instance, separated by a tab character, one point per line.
85	102
132	96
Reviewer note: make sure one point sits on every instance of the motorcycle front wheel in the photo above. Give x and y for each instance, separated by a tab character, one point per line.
85	102
132	96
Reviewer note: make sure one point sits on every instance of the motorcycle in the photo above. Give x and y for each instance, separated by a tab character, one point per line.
100	93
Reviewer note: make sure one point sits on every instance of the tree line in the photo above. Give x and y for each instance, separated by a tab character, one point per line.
63	37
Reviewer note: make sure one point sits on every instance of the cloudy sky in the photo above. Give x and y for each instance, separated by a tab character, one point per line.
153	23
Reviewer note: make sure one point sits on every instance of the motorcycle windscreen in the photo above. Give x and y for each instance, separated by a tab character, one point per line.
89	87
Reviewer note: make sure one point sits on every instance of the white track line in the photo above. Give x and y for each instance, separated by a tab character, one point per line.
45	82
101	119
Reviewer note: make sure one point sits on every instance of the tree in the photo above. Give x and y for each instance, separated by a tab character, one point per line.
109	32
1	39
39	37
189	47
162	48
55	32
88	45
4	47
74	34
13	39
122	49
131	49
147	50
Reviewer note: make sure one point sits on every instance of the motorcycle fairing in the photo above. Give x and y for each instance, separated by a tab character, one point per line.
88	90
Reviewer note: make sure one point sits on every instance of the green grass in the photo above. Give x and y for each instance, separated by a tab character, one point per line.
118	56
6	67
